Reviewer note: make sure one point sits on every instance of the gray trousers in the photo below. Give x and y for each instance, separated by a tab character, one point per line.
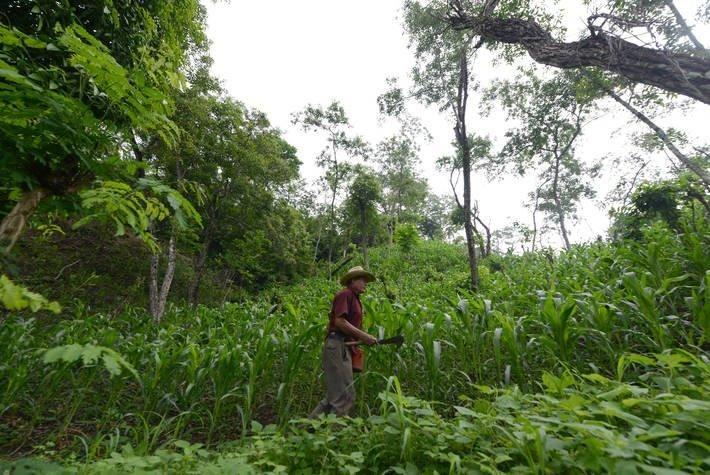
338	373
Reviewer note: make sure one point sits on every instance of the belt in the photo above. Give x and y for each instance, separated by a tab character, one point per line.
336	334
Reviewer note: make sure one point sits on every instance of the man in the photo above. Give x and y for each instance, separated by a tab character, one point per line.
339	359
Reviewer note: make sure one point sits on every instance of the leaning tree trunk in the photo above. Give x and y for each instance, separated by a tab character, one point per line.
680	73
158	299
14	224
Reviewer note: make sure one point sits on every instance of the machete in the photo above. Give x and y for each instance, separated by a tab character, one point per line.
395	340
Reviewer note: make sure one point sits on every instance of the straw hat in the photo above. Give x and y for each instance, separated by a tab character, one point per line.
356	272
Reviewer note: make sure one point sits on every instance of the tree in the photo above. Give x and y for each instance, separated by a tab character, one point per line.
681	72
666	201
361	207
79	78
275	251
404	191
595	84
334	123
238	161
551	118
508	237
480	157
435	213
441	77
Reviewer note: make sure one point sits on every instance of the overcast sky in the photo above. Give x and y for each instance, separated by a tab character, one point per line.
280	55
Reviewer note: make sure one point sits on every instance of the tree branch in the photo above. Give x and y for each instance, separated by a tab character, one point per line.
679	73
661	134
684	26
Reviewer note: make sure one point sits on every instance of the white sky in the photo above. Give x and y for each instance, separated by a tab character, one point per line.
280	55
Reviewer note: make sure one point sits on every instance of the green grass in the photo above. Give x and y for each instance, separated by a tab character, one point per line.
593	362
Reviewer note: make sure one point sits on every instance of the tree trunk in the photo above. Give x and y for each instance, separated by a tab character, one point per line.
680	73
193	292
698	196
534	218
661	134
487	250
470	245
364	238
159	299
464	146
336	180
563	227
558	203
169	274
226	287
14	224
139	155
555	184
365	257
320	230
153	284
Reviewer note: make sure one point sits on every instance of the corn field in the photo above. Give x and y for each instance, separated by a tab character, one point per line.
592	361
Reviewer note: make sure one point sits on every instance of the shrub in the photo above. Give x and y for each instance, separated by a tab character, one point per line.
406	236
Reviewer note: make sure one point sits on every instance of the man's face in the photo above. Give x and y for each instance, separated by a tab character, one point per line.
358	285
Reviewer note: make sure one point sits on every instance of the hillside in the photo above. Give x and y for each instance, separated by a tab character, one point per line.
593	360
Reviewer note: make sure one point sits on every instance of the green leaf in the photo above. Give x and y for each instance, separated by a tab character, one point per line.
72	353
15	297
661	470
464	411
91	354
53	355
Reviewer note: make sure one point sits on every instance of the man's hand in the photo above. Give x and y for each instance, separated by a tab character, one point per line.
369	340
346	327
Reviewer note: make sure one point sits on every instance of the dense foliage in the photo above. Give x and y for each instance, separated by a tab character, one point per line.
78	80
591	358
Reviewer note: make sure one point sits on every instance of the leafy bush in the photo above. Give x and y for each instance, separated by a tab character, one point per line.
406	236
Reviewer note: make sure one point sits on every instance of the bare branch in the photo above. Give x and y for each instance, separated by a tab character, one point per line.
622	22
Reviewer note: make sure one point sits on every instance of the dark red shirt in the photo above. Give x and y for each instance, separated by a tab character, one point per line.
346	303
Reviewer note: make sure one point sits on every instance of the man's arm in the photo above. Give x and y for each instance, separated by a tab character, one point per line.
349	329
